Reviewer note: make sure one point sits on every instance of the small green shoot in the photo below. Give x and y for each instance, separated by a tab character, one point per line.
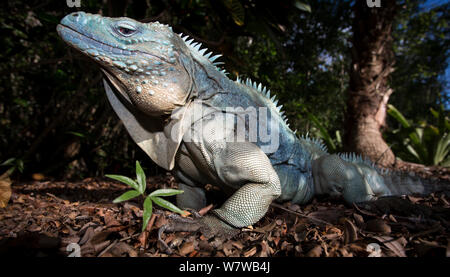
139	185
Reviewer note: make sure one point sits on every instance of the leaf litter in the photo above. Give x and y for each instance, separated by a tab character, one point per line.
44	218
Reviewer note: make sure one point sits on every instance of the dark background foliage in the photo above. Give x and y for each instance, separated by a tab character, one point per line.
54	116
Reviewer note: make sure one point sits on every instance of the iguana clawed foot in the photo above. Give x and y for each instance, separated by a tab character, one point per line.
208	225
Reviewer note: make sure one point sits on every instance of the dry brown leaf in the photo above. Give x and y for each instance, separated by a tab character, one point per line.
447	252
5	191
392	218
378	225
161	221
413	199
276	240
237	244
315	252
205	210
266	228
194	253
110	219
359	220
187	248
266	251
38	176
393	245
350	231
327	215
72	215
185	214
228	248
250	252
143	237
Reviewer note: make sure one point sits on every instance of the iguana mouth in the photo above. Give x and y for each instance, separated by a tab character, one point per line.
73	35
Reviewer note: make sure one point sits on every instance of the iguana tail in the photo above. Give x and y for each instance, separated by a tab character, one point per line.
403	183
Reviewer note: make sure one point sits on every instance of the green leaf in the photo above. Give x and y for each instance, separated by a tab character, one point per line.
442	149
392	111
9	161
127	196
322	132
147	214
165	192
101	153
236	10
417	148
166	204
302	6
140	175
125	180
76	134
434	113
446	163
22	102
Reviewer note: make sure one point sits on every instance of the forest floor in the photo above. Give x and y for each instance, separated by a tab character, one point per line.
44	218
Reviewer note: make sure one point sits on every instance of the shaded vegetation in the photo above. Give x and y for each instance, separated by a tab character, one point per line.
55	119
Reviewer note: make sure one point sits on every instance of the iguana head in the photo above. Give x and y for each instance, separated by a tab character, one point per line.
147	62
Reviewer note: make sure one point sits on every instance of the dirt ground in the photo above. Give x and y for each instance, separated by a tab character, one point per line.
54	218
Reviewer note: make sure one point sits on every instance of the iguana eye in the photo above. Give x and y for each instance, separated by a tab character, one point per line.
126	29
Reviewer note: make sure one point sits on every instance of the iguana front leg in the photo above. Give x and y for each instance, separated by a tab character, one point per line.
244	167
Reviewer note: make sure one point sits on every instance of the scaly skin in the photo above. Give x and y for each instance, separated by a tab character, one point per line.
173	100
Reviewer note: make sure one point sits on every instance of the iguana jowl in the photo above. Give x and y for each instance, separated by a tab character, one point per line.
173	100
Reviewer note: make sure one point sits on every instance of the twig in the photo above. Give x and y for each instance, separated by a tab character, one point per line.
107	248
55	197
130	237
433	229
299	214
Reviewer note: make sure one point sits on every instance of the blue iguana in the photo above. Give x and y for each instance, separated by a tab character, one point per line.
191	119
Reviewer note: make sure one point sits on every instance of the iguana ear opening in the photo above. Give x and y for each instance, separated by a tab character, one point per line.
158	141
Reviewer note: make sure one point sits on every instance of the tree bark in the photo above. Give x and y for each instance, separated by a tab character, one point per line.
372	62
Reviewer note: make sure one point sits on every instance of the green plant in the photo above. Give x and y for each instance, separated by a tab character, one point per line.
13	164
421	142
333	144
139	185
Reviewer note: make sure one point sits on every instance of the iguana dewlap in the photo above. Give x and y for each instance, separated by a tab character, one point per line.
190	118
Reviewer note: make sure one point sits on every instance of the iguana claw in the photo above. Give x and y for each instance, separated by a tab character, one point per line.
208	225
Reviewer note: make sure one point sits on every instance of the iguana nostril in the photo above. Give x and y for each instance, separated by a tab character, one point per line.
75	14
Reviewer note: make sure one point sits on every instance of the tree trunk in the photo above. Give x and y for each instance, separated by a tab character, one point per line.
372	62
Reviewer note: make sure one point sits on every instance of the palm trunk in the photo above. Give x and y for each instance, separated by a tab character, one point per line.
372	62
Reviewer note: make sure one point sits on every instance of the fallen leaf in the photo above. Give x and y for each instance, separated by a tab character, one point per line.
359	220
193	254
143	237
413	199
395	245
250	252
228	248
121	249
38	176
315	252
350	231
267	228
110	219
378	225
5	191
206	209
72	215
187	248
392	218
185	214
266	251
237	244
